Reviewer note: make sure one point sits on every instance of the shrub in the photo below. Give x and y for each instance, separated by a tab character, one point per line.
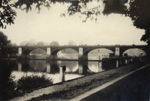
8	89
31	82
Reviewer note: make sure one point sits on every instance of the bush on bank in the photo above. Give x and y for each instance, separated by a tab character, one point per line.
7	89
12	89
31	82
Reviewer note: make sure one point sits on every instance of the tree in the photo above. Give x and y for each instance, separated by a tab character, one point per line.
115	6
3	39
40	44
7	14
54	43
71	43
140	13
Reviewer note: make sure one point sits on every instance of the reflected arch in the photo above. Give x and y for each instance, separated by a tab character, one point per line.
134	52
94	66
71	66
37	65
98	53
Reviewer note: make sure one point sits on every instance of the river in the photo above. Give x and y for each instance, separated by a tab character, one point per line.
21	68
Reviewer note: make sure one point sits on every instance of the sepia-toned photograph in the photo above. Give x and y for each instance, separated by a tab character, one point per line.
74	50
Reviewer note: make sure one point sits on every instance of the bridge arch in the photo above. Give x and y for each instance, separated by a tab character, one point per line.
141	47
65	52
134	52
26	51
87	51
98	53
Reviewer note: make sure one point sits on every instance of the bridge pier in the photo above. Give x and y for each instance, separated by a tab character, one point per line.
19	51
80	53
80	69
48	67
80	58
19	66
100	66
48	52
117	51
20	54
83	66
82	61
51	57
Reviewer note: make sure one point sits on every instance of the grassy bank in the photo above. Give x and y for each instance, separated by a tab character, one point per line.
84	84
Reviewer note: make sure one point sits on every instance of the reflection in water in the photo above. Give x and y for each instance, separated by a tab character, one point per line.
53	66
38	65
19	66
71	66
95	66
50	68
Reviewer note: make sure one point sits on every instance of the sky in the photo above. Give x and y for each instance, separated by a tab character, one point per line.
48	26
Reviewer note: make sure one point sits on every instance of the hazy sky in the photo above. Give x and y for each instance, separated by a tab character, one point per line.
48	26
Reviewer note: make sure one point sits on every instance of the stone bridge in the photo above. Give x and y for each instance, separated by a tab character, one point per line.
51	51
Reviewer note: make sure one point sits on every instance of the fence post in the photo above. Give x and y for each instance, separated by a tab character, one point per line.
117	64
62	73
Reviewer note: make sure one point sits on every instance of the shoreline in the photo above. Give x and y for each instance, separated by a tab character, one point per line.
75	87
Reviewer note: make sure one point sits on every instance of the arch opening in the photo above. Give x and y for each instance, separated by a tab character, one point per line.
67	53
96	54
134	52
37	54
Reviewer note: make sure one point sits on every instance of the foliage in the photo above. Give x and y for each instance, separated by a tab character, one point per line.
8	89
27	4
7	14
54	43
115	6
3	39
40	44
140	13
7	85
31	82
138	10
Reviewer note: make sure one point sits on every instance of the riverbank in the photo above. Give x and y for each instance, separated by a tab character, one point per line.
72	88
134	87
